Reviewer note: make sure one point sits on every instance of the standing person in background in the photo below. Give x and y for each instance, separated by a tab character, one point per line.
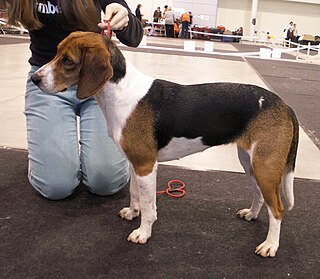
58	159
138	12
185	21
176	29
164	11
295	33
169	23
157	15
191	17
287	31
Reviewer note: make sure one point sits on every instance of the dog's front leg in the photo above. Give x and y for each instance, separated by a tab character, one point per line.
131	212
147	200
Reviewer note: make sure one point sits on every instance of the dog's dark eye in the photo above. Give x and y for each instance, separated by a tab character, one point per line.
67	60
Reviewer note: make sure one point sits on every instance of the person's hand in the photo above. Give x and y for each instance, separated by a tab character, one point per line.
118	16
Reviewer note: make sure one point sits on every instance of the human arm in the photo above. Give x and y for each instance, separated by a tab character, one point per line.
126	26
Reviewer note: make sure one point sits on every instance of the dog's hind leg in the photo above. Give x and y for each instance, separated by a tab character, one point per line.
133	211
257	202
147	203
269	247
268	171
287	183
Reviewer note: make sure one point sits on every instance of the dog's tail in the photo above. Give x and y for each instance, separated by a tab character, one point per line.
288	175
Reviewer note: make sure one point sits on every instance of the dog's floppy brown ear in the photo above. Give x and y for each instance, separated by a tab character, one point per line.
95	71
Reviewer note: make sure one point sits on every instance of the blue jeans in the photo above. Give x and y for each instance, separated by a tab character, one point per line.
58	159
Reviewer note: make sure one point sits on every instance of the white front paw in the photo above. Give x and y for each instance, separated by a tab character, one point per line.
128	213
246	214
267	249
139	236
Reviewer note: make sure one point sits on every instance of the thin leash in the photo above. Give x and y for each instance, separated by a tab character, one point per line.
109	30
174	192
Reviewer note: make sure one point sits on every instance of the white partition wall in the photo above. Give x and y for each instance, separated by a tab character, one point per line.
272	15
204	11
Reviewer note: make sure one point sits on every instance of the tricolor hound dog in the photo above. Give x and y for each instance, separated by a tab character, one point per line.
154	120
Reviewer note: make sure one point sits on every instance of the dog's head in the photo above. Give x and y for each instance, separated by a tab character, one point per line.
82	59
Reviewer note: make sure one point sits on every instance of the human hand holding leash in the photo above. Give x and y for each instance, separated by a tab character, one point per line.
117	15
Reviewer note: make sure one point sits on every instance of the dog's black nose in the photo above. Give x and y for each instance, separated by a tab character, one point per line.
35	79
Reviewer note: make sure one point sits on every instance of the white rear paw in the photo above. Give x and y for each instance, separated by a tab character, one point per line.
139	236
246	214
128	213
267	249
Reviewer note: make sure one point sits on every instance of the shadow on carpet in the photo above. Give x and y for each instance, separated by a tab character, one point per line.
197	236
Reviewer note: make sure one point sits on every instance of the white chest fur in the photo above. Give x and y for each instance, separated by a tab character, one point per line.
118	100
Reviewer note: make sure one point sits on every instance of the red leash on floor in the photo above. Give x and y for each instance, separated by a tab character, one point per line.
180	192
109	30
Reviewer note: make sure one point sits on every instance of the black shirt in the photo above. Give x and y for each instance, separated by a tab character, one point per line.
44	41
